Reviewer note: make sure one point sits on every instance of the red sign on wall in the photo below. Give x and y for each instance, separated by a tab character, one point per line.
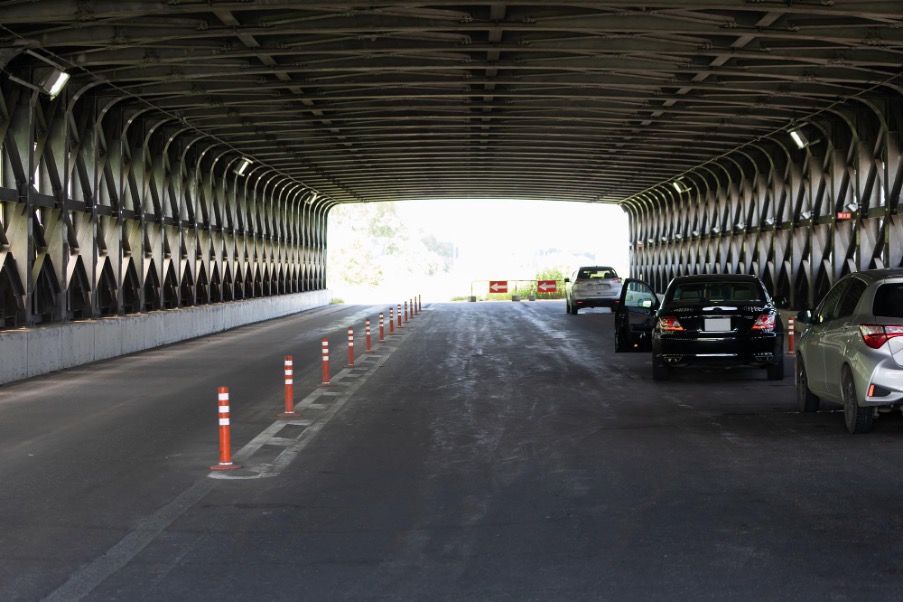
843	215
546	286
498	286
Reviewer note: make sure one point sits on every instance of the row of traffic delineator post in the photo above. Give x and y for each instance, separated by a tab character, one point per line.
411	309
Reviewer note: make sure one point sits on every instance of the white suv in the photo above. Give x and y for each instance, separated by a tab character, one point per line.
592	286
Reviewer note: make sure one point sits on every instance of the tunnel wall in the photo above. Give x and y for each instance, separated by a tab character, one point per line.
28	352
109	209
799	218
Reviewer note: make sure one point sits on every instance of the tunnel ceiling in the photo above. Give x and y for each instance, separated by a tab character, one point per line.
578	101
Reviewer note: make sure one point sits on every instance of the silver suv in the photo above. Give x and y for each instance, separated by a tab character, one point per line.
850	349
592	286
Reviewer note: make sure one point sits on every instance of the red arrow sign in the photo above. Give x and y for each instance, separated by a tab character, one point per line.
546	286
498	286
843	215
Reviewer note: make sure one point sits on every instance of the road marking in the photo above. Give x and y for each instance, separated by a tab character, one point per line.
349	379
86	579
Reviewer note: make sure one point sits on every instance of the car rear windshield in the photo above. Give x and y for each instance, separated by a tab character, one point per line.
888	302
717	292
597	273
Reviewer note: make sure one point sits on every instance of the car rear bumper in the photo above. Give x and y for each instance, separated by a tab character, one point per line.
885	385
716	351
596	301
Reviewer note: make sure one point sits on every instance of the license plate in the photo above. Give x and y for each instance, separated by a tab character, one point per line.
717	324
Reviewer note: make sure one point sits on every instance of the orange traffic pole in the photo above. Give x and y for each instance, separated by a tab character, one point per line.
290	389
367	335
325	353
381	327
406	312
351	347
399	316
226	462
391	322
790	335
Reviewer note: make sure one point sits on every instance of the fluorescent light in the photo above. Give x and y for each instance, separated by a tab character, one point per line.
680	186
240	170
800	140
55	83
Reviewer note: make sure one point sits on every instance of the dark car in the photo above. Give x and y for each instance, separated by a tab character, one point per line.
705	320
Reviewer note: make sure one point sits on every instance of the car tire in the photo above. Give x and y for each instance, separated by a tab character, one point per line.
776	370
806	400
660	370
856	419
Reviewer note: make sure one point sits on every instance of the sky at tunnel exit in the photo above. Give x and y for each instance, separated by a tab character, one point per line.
513	239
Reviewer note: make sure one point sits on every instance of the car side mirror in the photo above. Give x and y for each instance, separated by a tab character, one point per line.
646	303
566	280
805	316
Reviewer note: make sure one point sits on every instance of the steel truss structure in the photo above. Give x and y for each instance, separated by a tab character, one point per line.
799	218
121	194
106	211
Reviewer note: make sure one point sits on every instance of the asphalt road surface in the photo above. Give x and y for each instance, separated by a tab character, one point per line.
484	451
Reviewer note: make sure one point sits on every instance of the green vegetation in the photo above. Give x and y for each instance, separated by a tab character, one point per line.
379	248
376	253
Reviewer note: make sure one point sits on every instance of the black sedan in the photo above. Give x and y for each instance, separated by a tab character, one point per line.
704	320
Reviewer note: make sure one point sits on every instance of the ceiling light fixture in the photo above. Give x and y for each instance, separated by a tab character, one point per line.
49	81
243	166
680	186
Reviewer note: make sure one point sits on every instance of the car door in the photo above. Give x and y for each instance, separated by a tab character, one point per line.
635	315
813	342
839	334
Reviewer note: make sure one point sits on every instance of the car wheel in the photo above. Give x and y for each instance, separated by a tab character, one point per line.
806	401
660	370
856	419
776	370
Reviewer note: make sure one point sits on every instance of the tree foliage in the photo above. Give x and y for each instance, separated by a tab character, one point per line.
371	245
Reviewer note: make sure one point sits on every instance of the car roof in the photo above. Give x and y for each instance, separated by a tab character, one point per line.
715	278
878	274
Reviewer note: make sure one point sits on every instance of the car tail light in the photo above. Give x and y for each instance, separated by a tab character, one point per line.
876	335
670	323
764	322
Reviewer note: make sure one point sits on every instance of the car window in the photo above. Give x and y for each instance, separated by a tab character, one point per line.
850	299
717	292
597	273
888	301
639	295
826	309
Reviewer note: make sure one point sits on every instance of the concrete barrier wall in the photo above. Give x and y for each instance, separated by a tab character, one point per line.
29	352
